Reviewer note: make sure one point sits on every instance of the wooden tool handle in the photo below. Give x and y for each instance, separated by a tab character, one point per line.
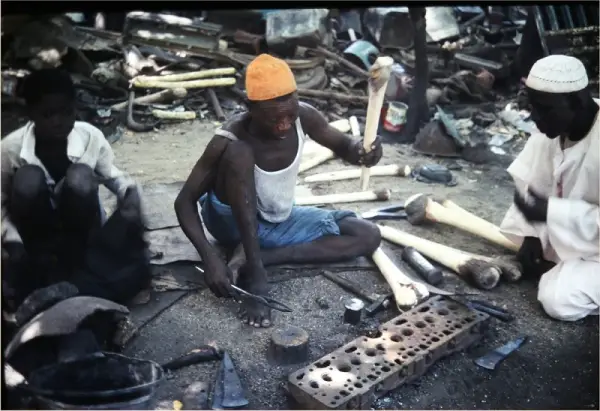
379	75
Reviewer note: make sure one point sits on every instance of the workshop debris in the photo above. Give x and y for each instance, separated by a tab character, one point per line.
390	27
304	27
362	53
429	273
63	318
289	345
393	212
172	30
195	396
402	350
348	26
202	354
377	302
491	360
353	309
445	56
434	173
322	303
228	391
432	140
42	299
488	308
102	380
395	117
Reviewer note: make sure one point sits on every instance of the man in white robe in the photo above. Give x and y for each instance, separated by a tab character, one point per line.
555	217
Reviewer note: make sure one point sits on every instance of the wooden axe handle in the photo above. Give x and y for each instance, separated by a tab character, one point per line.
379	75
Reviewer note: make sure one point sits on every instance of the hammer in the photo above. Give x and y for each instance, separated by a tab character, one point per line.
378	301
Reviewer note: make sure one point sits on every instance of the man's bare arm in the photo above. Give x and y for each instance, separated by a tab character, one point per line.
317	127
200	181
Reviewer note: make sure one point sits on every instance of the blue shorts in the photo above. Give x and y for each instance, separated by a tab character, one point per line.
305	224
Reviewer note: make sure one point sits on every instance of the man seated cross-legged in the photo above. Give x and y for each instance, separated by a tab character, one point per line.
245	182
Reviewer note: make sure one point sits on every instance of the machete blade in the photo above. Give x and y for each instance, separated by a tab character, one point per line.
493	358
217	396
233	392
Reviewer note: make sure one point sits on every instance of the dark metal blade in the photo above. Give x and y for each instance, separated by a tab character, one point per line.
233	392
493	358
217	396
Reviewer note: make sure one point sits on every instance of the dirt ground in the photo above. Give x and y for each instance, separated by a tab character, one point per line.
557	368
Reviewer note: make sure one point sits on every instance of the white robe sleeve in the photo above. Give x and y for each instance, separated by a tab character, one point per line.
526	170
575	223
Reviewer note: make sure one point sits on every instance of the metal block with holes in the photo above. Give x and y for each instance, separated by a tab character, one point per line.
355	375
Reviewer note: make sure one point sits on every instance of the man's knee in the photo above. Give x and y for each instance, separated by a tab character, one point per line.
557	303
372	237
80	180
366	232
29	182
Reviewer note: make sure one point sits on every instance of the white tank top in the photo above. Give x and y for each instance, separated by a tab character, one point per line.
275	190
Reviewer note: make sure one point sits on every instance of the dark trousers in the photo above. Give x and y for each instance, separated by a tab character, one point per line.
54	225
65	240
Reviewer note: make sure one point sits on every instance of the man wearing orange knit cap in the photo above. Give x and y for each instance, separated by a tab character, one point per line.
246	179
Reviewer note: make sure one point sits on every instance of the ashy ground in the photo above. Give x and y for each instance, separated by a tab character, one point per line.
557	368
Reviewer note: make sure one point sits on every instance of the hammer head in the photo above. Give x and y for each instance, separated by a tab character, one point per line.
380	304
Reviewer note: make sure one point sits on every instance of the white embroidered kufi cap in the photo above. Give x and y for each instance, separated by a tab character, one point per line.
557	74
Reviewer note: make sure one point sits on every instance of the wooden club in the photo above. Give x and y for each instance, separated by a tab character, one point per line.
374	195
191	75
451	205
202	83
314	154
353	173
407	292
167	95
483	273
379	75
419	209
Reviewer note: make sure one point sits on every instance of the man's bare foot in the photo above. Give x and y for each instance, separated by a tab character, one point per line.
237	260
252	312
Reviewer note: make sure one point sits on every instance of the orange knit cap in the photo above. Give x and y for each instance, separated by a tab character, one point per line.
268	77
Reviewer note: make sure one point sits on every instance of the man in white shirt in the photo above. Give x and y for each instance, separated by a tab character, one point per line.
50	173
555	213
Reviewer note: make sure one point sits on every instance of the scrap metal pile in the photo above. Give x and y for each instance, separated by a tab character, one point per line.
456	78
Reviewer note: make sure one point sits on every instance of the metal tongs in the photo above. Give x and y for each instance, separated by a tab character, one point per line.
264	300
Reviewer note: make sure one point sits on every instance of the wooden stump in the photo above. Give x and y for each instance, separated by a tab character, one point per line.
289	345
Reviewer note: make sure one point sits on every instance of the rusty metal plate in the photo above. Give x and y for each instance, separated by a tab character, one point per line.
355	375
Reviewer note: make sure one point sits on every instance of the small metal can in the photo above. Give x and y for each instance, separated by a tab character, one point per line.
353	311
395	117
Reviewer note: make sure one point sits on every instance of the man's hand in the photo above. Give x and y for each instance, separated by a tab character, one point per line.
131	204
218	276
358	154
531	258
534	208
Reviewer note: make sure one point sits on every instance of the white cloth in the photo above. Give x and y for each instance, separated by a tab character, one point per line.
85	145
557	74
570	237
